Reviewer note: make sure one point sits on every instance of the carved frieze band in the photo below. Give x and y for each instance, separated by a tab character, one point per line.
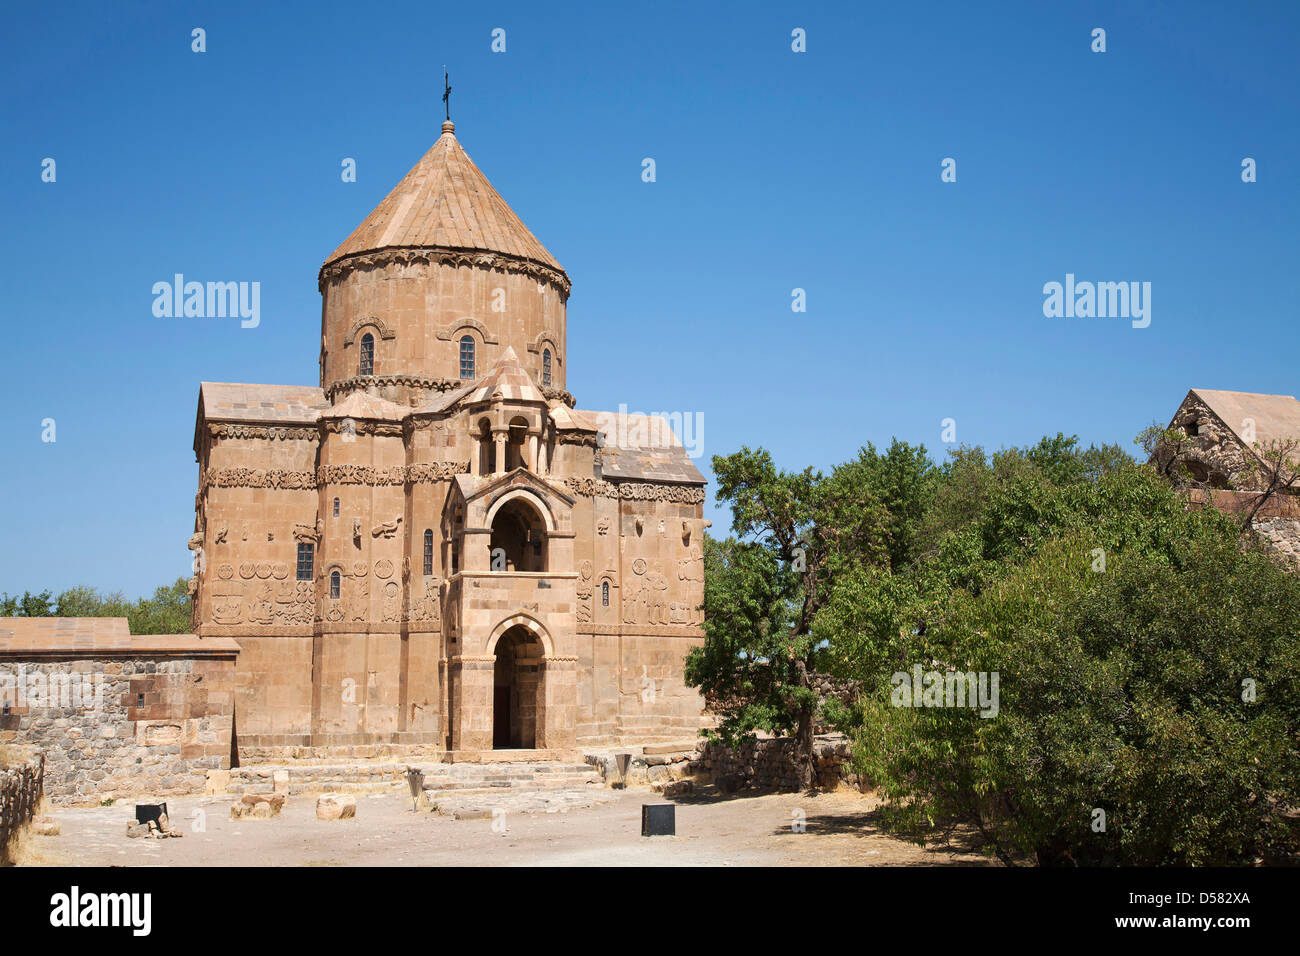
269	432
452	257
397	475
636	491
331	474
361	426
257	478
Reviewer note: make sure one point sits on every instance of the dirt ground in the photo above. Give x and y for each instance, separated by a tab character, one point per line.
712	830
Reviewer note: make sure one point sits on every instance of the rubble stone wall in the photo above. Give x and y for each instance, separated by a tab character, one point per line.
109	728
20	795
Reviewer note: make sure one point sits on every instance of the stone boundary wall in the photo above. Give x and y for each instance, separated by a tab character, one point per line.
767	763
20	795
1277	523
115	727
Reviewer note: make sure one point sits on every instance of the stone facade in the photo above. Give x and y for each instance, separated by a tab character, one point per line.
1225	433
149	714
433	551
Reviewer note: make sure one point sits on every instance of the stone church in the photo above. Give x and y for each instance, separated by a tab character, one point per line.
435	548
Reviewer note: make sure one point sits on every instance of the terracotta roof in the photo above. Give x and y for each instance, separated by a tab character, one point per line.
507	378
93	636
445	201
1276	417
235	401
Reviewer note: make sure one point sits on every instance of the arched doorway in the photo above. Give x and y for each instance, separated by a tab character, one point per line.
516	689
518	540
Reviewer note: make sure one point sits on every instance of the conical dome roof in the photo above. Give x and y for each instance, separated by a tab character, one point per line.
445	201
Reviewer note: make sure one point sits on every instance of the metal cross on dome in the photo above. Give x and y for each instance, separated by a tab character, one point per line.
446	92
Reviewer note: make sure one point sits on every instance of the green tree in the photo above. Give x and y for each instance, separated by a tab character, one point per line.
795	532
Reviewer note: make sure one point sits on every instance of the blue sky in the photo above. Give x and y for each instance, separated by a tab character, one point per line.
776	170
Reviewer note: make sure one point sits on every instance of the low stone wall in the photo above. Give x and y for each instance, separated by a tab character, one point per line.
765	763
20	795
768	763
110	727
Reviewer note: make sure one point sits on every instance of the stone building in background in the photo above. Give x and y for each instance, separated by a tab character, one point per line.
1240	453
434	547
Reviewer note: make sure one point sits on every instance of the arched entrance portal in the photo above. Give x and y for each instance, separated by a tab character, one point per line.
518	540
516	689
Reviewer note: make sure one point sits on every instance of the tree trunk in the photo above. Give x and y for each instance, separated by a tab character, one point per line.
803	746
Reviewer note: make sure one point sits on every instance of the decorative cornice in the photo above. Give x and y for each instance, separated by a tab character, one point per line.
636	490
408	255
268	432
413	381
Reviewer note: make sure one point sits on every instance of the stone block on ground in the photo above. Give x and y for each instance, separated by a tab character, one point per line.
336	806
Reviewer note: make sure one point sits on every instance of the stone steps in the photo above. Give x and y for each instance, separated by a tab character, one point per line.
439	779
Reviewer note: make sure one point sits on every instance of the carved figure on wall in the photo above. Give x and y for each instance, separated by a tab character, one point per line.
280	570
227	604
584	603
429	607
262	609
657	596
221	536
247	570
691	567
356	531
225	572
632	600
360	569
387	529
602	527
359	604
392	593
383	568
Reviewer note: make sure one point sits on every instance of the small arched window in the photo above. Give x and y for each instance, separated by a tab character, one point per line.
336	507
467	356
367	355
336	585
546	367
604	594
428	551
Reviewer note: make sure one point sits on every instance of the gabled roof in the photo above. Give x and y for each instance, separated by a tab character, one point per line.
445	201
638	447
1276	417
508	380
240	402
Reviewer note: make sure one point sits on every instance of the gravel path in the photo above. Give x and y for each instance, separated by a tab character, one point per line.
741	830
